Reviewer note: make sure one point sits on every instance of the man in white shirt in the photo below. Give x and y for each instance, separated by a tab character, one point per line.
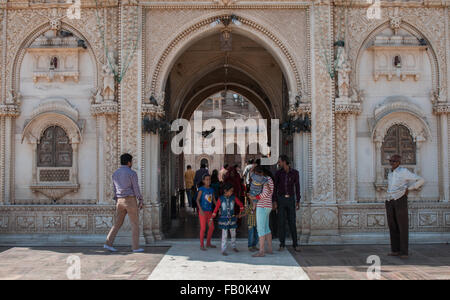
247	170
400	182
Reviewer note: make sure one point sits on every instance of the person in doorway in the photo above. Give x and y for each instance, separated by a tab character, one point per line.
286	190
205	201
126	191
263	205
198	183
247	171
189	183
233	177
227	219
400	182
222	172
198	178
216	184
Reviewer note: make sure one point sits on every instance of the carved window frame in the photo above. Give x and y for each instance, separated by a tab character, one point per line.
410	164
397	111
59	113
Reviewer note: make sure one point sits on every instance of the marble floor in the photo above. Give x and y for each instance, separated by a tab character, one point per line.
350	262
182	259
95	262
185	260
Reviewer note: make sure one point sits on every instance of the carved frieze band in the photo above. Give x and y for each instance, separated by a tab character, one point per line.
56	219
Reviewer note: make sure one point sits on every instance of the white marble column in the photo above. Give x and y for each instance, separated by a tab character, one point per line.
8	159
101	172
351	119
155	185
298	165
75	162
152	211
379	170
324	209
34	144
444	158
2	161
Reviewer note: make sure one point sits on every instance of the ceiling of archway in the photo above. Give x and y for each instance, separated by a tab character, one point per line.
205	69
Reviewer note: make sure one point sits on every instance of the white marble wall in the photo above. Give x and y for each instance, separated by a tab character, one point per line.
77	94
418	92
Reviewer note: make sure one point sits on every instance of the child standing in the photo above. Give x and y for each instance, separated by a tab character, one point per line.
205	199
227	219
251	224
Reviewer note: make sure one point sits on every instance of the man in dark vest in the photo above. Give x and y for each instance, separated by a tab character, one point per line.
287	200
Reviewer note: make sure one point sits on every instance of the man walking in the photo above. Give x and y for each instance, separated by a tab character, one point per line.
400	182
189	183
126	190
287	189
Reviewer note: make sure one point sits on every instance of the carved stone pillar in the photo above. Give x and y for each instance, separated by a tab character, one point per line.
324	212
444	157
152	173
379	171
300	163
2	160
345	142
8	113
152	201
34	180
442	111
107	162
130	88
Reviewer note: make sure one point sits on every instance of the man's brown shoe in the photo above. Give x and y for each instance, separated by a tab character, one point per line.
297	249
394	254
281	248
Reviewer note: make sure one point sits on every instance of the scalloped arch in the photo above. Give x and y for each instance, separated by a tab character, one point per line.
19	56
249	28
34	130
412	29
417	127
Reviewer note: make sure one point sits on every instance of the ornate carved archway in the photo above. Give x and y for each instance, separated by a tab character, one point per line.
250	28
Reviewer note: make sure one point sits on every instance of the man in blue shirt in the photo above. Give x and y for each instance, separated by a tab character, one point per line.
126	191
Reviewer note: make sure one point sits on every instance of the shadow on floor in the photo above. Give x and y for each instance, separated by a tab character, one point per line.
433	255
86	251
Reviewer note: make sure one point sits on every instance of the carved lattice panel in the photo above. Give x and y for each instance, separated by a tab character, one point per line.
398	140
52	175
54	149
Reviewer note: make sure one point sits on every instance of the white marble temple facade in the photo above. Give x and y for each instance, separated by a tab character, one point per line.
389	92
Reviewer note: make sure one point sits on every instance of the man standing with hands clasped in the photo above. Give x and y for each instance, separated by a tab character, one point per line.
400	182
286	190
126	190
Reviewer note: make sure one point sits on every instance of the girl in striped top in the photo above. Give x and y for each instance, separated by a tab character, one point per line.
263	204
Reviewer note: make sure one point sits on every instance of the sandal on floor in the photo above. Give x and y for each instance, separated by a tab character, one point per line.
258	255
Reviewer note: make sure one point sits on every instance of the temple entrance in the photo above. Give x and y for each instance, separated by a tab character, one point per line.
225	77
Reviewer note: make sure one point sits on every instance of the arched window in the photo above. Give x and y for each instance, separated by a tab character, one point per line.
398	140
54	148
